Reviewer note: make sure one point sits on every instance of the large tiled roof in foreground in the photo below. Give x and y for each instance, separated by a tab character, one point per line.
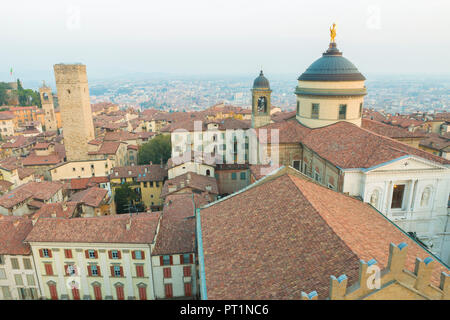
286	235
105	229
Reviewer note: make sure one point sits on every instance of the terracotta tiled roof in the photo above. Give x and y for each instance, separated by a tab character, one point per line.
47	133
436	142
59	210
120	136
190	180
349	146
403	121
107	147
5	185
35	203
373	115
224	124
132	147
177	229
23	108
42	145
287	234
96	142
10	163
36	190
288	131
150	172
6	115
389	131
105	229
283	116
145	135
25	172
83	183
13	230
92	197
34	160
18	142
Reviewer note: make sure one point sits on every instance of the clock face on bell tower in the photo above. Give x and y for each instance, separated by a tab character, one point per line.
262	104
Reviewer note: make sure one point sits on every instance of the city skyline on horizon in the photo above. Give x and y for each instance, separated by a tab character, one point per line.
117	39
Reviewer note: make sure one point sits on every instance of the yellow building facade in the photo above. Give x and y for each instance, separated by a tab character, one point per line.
146	180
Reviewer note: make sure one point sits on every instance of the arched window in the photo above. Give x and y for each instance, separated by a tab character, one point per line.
208	172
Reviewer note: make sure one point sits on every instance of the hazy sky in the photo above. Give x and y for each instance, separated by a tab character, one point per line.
221	36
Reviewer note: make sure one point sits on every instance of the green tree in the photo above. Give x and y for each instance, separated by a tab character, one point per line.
28	97
156	149
3	93
127	199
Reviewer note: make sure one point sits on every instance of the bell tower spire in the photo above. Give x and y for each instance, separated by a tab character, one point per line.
261	105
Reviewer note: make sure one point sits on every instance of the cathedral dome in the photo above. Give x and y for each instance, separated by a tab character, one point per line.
332	66
261	82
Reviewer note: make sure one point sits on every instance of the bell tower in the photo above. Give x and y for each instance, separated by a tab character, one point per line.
261	101
48	108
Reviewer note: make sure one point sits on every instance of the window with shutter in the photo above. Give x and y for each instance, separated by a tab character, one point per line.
115	254
119	292
68	253
187	271
53	291
97	292
188	289
140	271
48	269
167	272
142	293
168	290
76	294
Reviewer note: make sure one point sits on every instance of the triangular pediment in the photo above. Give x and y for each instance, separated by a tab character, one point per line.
406	164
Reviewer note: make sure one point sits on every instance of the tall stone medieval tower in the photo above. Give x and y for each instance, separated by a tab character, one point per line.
76	114
48	108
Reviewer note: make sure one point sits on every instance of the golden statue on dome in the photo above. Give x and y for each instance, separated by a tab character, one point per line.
333	32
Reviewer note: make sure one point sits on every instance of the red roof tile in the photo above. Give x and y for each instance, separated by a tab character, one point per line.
150	172
13	230
287	234
105	229
190	180
92	197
